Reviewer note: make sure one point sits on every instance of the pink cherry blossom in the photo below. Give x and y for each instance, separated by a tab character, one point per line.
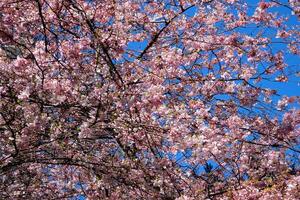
148	100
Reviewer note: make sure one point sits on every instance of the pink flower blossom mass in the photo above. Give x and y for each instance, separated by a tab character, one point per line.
158	99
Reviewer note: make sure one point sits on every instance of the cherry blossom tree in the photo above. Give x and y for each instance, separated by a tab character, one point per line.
98	99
